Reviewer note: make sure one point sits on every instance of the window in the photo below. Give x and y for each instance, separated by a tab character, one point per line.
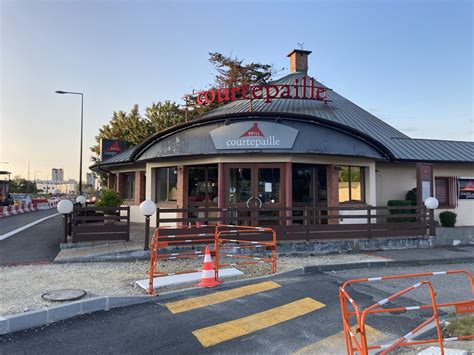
351	184
202	185
166	184
446	191
128	190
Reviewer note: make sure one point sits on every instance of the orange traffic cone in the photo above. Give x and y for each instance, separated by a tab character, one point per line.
208	275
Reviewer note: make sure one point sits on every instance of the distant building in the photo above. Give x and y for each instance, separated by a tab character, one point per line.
69	187
57	174
91	180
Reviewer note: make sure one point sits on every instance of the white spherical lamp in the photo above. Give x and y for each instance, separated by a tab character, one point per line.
81	200
147	208
65	207
431	203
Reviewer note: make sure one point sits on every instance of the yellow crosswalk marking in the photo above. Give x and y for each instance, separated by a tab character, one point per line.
336	344
219	297
235	328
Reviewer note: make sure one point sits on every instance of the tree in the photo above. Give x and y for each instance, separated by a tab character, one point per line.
22	186
232	71
134	128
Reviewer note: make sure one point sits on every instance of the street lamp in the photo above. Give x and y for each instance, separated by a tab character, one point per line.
432	203
147	208
82	200
65	207
82	124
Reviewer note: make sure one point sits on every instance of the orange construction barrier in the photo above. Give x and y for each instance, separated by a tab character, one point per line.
165	237
244	238
209	278
358	342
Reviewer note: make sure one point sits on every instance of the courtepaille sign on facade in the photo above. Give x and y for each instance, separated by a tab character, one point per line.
304	89
254	135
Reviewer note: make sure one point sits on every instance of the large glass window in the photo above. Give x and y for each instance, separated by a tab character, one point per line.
202	185
269	185
303	184
351	184
240	186
166	184
128	190
309	182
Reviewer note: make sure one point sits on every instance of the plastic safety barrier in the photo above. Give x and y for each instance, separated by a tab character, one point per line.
165	237
357	342
243	238
223	237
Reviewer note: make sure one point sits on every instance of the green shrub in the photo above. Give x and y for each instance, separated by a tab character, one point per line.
392	203
411	196
109	198
461	326
447	218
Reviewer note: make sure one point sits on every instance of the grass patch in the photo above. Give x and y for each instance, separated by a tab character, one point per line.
461	326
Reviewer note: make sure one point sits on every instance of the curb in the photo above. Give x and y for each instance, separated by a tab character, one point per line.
319	269
32	319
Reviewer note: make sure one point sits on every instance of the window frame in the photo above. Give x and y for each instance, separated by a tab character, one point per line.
363	196
206	202
169	170
128	192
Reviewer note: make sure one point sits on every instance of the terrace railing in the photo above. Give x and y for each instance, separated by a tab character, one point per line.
304	223
100	223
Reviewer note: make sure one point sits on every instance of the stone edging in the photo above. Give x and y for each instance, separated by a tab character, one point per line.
16	322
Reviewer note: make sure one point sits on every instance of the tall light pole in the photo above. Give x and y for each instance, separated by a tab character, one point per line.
82	124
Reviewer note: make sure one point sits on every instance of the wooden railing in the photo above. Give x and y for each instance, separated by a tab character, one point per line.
100	223
301	223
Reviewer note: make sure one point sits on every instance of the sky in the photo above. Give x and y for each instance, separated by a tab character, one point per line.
409	62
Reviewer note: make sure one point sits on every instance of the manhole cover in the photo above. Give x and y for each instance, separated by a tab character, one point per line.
63	295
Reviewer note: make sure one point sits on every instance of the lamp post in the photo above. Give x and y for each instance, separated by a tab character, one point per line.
432	203
82	124
147	208
65	207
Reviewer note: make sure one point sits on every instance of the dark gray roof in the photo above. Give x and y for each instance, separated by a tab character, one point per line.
118	159
432	150
344	112
339	111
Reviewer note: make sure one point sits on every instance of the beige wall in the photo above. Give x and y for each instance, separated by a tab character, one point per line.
465	209
394	180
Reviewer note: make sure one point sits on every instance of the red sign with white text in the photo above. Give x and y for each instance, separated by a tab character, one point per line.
304	89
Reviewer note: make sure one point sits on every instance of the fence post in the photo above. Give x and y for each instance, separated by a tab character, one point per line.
432	222
369	220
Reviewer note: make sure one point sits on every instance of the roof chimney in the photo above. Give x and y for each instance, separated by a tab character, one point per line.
299	60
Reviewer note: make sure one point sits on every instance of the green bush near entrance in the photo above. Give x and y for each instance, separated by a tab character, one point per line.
392	203
109	198
447	218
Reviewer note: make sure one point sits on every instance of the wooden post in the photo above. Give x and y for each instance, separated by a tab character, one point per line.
432	223
221	192
369	221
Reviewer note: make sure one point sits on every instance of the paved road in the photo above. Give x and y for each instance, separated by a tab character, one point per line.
39	243
264	321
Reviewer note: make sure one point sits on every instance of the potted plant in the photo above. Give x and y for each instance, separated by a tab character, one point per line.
109	198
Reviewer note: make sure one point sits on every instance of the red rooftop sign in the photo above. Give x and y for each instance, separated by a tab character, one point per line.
306	89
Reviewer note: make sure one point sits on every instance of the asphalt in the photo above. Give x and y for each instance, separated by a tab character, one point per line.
151	327
39	243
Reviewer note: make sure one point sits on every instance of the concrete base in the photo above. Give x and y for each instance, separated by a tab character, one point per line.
454	236
184	278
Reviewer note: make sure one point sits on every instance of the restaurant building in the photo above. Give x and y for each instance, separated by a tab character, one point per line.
294	142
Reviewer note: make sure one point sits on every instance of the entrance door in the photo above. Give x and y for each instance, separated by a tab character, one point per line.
254	188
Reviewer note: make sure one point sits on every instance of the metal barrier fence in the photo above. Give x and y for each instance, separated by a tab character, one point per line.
243	238
199	237
358	342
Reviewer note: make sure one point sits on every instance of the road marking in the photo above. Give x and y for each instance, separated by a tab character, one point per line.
236	328
18	230
336	344
219	297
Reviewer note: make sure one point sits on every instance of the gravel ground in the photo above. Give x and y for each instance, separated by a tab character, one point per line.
22	286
